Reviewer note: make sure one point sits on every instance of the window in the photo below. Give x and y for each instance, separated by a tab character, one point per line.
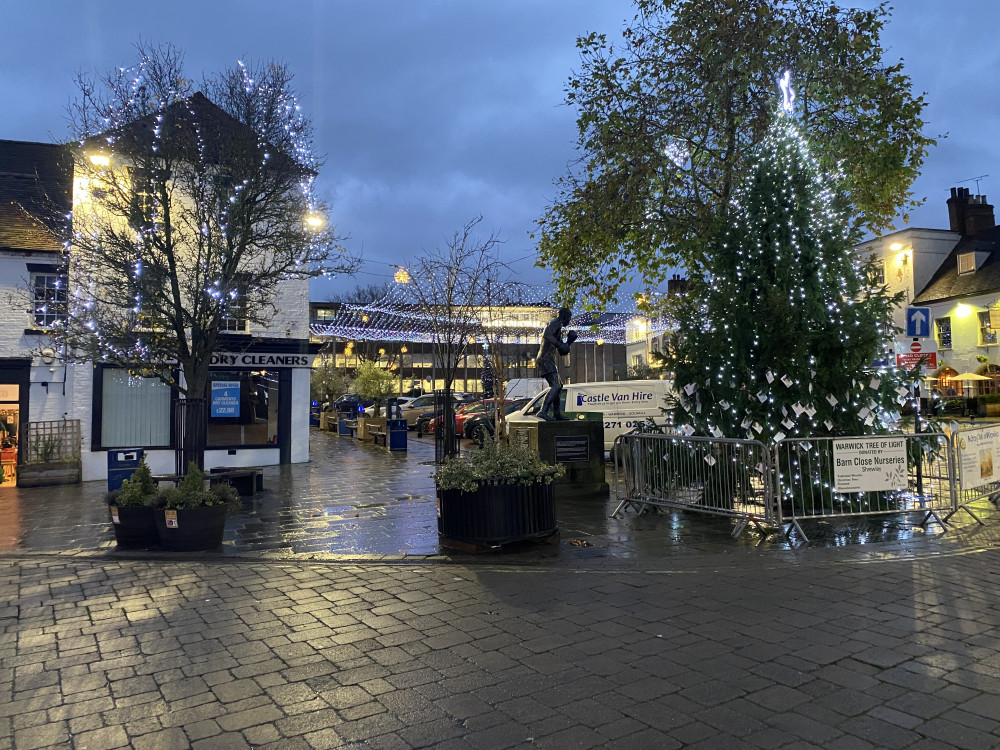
48	298
877	273
135	412
243	408
987	335
967	263
943	326
234	307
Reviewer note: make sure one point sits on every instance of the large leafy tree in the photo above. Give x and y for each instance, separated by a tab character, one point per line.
668	121
781	326
192	209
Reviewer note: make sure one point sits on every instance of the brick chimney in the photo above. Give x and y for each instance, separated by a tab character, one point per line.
969	214
677	286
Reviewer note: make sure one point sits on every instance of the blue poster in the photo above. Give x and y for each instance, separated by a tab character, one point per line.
225	398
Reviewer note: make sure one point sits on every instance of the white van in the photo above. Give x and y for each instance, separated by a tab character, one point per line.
624	404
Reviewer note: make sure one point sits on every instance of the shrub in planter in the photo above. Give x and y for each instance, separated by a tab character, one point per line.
131	512
191	516
496	495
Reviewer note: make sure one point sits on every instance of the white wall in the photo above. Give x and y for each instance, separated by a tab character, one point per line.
910	267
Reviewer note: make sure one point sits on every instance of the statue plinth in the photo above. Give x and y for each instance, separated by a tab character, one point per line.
577	444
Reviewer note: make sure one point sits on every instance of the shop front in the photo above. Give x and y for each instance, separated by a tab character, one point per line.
14	379
256	409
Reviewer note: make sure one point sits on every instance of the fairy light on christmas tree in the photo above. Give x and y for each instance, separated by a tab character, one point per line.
780	325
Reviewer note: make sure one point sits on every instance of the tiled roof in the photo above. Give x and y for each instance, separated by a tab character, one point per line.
198	126
35	189
947	284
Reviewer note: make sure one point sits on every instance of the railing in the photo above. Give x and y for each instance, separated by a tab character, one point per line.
823	478
717	476
445	442
977	463
189	433
807	479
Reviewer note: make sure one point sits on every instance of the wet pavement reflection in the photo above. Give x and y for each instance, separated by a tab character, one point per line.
354	500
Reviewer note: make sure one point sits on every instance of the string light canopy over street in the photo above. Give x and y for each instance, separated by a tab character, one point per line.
396	317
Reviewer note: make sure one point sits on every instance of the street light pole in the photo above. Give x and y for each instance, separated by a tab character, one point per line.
402	351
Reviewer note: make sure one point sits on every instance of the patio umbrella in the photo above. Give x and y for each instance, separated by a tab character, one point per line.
969	376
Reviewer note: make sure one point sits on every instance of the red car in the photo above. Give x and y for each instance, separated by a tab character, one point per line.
462	413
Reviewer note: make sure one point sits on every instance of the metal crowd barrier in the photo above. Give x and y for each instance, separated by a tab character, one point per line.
917	472
977	459
804	479
718	476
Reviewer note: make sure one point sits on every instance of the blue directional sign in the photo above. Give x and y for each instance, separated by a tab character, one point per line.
918	322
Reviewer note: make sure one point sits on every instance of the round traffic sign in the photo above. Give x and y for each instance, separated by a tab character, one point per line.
915	347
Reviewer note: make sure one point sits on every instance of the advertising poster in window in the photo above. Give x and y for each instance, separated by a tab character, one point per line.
869	464
225	398
978	451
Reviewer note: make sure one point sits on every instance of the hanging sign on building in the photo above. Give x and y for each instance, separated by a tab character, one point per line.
870	464
978	451
225	398
995	318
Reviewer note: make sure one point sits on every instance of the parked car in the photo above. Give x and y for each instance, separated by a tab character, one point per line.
425	403
352	402
478	426
464	412
624	404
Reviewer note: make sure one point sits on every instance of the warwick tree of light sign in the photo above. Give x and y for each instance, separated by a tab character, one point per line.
869	464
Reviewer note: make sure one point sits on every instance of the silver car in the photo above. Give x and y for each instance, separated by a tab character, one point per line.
423	404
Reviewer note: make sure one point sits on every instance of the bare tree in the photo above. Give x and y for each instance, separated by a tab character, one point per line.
448	286
192	210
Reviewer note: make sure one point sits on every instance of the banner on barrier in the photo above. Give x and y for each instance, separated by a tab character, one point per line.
978	451
869	464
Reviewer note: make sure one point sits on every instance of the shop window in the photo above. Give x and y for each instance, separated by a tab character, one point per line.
135	412
987	335
943	326
48	294
242	408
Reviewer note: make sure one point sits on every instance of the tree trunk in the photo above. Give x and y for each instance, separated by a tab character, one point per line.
192	417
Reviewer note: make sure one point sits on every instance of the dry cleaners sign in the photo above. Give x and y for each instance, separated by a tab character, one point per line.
258	360
870	464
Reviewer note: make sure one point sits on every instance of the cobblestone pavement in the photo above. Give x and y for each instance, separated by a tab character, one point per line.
332	620
696	652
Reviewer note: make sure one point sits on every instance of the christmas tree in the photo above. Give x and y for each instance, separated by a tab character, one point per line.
781	326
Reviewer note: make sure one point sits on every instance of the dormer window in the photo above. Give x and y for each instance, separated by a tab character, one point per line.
966	263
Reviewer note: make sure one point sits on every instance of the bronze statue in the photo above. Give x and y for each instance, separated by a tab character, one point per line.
552	342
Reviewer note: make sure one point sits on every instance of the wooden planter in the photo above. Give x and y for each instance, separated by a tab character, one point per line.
52	473
191	529
495	515
135	527
989	409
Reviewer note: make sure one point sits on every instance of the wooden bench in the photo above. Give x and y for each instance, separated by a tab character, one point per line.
351	425
378	434
247	480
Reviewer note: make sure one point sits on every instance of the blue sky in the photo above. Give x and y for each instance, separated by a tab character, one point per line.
431	112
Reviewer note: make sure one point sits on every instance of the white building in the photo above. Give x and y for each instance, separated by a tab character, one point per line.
259	391
956	273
